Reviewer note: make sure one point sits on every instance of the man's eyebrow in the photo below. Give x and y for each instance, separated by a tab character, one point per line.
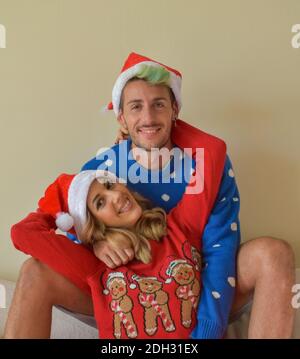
132	101
160	98
139	100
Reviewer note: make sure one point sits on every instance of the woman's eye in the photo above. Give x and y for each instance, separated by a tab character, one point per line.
99	204
109	185
159	105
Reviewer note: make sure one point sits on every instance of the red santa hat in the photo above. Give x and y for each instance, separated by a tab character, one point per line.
192	254
137	278
65	199
131	68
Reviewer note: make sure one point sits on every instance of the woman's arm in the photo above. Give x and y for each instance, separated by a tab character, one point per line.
35	235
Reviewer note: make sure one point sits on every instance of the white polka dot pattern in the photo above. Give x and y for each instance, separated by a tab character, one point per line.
216	295
165	197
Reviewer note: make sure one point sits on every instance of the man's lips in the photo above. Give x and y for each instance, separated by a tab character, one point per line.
149	131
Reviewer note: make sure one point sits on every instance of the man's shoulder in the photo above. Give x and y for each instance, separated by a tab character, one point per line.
187	135
105	154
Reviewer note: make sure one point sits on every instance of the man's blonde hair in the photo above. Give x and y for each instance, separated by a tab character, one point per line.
154	75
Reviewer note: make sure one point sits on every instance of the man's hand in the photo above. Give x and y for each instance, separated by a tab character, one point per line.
122	134
112	257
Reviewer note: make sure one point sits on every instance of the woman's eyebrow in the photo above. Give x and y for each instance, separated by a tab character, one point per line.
95	198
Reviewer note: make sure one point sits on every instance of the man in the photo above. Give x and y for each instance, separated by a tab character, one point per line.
148	110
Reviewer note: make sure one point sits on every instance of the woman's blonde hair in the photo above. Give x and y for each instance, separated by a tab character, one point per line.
150	226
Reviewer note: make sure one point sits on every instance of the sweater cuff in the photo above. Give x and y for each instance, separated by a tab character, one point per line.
207	329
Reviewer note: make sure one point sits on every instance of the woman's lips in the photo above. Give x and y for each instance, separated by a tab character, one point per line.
126	206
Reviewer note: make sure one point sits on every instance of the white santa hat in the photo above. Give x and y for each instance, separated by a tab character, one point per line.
65	199
131	68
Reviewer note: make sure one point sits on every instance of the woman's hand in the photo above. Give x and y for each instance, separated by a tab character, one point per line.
112	257
122	134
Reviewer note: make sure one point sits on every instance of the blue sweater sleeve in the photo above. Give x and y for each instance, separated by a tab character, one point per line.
220	242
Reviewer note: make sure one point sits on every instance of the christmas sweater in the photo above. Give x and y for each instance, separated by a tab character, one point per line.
221	235
35	235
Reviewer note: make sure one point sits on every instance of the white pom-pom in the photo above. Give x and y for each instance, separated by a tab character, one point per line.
64	221
168	281
104	110
105	291
132	286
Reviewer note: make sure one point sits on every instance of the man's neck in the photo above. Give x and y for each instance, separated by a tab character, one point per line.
155	159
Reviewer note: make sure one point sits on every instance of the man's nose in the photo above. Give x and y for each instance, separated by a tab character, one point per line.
147	115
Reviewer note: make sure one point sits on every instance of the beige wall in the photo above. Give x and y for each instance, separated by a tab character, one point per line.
241	82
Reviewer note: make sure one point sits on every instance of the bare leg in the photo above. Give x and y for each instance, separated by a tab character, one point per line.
266	270
37	290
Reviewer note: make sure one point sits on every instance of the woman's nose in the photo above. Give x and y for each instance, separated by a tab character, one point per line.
116	197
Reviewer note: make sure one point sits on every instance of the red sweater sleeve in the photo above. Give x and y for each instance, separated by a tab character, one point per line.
192	211
35	235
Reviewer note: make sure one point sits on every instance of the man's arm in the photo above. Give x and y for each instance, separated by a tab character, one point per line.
220	242
35	235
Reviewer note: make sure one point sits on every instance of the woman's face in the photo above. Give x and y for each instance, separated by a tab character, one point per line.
113	204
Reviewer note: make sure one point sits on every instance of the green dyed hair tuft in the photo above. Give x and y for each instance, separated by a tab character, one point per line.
154	75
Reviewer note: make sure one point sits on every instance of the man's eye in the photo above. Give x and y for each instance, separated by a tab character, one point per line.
135	107
159	105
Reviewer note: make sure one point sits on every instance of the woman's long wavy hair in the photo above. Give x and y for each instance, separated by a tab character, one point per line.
150	226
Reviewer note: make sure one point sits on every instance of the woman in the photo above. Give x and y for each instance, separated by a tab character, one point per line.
155	296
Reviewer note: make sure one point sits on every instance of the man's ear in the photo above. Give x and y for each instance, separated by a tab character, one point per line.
121	119
175	109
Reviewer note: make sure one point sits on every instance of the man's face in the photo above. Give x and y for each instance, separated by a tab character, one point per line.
147	114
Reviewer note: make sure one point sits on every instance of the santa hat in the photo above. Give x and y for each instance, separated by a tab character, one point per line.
131	68
137	278
168	270
65	199
192	254
109	277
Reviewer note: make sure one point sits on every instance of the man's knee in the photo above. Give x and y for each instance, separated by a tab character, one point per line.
33	275
273	253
